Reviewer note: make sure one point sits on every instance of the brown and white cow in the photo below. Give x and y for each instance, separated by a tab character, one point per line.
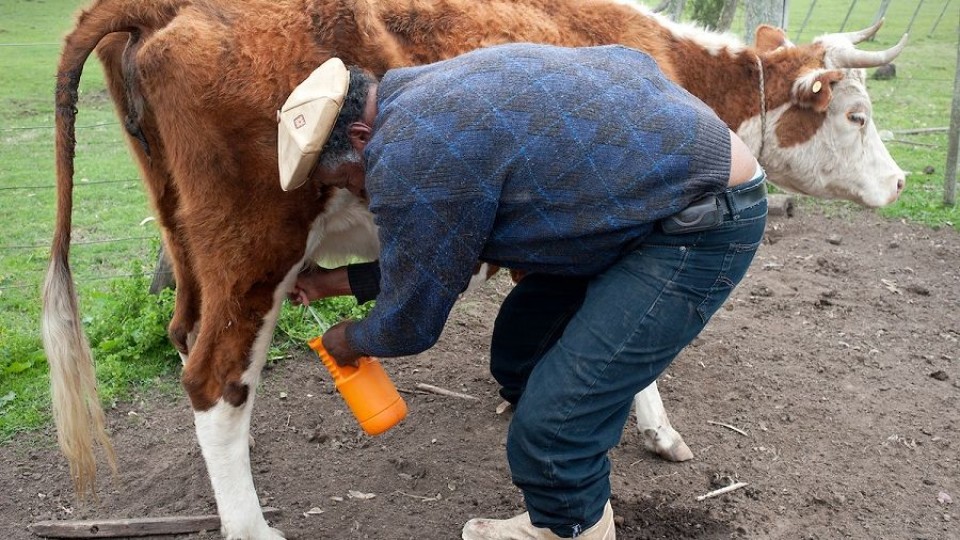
198	82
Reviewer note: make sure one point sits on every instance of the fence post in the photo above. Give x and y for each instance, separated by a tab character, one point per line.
162	274
950	171
884	4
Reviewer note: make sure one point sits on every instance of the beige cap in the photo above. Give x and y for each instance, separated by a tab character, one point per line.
307	119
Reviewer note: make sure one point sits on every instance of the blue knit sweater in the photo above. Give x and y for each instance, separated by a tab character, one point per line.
532	157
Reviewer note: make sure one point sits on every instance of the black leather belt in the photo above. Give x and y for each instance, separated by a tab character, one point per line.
710	211
739	200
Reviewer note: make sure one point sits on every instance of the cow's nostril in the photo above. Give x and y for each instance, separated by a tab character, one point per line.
900	183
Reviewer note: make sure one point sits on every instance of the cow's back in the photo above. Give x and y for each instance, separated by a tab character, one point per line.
426	31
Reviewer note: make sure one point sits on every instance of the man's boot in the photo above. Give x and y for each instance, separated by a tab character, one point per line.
520	528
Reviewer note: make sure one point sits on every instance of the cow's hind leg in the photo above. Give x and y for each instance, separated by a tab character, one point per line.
658	435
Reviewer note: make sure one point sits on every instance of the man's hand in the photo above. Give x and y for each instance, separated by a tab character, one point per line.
337	346
314	283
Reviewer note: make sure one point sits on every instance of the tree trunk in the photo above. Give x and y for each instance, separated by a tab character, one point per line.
726	16
758	12
671	8
953	149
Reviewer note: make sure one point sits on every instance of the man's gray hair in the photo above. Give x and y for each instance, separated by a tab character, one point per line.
338	149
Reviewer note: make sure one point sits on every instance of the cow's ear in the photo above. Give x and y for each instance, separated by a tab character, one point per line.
815	90
770	38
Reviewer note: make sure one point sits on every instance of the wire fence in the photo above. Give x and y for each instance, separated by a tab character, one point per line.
79	184
51	127
919	18
926	18
97	190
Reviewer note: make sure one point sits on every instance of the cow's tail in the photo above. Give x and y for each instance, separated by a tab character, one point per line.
76	406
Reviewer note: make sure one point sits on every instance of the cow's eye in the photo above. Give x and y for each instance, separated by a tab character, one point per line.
858	118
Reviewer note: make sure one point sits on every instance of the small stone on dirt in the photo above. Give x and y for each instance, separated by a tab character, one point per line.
918	289
940	375
835	239
944	498
316	510
318	436
763	291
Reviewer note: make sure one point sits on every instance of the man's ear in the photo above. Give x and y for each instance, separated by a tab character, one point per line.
359	134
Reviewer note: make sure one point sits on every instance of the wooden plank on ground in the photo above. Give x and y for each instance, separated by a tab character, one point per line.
115	528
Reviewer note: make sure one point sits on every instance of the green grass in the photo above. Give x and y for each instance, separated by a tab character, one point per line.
127	327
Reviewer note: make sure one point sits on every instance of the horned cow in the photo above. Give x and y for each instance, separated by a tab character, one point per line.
198	82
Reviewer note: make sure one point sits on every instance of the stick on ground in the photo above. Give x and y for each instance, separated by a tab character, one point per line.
116	528
722	490
728	426
444	392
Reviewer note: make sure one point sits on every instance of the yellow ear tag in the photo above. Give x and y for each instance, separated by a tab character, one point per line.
817	85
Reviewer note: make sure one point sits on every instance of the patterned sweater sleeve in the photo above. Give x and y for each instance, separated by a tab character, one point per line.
429	248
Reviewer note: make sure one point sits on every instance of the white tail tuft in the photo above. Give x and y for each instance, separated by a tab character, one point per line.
76	406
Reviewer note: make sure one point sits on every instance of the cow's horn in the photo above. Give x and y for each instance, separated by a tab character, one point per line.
861	35
855	58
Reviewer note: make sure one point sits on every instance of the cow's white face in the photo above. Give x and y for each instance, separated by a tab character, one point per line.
836	155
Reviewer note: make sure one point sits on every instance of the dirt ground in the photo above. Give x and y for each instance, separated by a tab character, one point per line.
838	357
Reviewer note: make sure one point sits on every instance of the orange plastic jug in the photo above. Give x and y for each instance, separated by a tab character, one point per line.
367	389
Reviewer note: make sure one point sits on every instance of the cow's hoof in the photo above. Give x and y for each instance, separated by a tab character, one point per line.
666	443
678	452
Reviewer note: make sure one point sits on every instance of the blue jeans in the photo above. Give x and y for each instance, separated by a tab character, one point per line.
571	352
